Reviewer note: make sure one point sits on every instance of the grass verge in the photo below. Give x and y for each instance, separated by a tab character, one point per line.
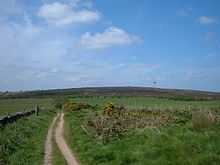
23	142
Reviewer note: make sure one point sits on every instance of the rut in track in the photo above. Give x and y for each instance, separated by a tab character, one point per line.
61	143
49	143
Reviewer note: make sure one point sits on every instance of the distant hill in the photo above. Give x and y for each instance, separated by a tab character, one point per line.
118	91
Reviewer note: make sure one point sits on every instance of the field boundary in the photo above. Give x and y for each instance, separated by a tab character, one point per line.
18	115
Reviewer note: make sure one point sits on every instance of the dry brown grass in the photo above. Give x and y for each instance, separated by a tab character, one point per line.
202	119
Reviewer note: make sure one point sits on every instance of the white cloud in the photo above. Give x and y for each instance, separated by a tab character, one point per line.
207	20
63	14
184	12
112	36
82	3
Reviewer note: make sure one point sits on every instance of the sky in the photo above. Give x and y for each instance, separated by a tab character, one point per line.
47	44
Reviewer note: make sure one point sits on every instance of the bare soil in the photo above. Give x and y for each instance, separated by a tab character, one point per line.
48	143
61	143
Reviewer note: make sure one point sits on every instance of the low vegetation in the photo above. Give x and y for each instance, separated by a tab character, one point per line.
204	119
73	106
137	102
23	142
10	106
116	130
116	134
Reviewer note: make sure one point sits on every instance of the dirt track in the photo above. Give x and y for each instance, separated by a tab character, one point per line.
48	144
61	143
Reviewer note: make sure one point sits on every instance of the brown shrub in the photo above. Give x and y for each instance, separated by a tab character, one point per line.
116	120
202	119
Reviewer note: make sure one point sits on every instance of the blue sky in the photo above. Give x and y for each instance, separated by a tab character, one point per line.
76	43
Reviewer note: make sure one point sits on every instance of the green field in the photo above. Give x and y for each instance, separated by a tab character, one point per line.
174	143
172	138
143	102
9	106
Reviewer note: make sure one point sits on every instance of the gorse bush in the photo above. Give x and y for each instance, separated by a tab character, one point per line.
146	131
116	120
139	137
73	106
109	108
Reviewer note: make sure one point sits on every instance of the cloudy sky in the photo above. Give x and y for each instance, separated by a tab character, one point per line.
77	43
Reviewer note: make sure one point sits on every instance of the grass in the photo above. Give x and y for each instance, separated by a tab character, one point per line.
8	106
172	144
23	142
58	158
143	102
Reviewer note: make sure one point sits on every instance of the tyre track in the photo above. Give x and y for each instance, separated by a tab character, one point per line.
49	143
61	143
